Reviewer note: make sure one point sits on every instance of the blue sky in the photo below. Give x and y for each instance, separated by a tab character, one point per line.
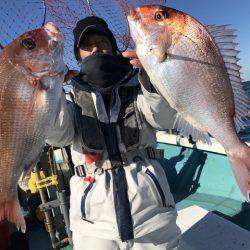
16	18
236	13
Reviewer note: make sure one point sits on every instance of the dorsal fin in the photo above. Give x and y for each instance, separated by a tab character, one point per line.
224	38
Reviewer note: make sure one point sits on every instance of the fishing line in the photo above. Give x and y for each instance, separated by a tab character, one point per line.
90	8
45	12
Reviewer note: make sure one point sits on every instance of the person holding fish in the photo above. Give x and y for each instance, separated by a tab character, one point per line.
120	197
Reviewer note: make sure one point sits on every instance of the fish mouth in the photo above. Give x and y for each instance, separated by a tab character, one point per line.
55	41
56	65
52	71
144	38
49	65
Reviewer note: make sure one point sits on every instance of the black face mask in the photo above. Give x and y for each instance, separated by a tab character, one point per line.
103	71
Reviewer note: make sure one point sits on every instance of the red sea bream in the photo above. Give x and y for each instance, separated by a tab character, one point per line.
195	69
31	76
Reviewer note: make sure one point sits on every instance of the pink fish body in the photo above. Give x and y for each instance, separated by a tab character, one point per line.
195	69
31	76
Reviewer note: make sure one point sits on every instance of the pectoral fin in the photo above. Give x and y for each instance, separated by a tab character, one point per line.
186	129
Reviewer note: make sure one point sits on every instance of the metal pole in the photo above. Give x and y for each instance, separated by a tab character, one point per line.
64	205
48	221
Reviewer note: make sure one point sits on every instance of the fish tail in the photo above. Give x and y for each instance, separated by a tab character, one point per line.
11	210
240	161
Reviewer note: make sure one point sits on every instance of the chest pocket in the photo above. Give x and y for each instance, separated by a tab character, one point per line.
87	121
129	118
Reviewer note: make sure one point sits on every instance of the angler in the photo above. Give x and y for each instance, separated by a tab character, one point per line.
120	197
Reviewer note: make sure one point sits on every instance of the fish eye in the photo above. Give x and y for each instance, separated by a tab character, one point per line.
28	43
161	15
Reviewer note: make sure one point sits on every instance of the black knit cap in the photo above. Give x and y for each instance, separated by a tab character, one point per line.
91	23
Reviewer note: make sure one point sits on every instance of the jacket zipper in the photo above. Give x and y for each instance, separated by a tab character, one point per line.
158	186
83	201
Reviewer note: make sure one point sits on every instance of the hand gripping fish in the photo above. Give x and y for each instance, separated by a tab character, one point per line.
31	76
195	69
